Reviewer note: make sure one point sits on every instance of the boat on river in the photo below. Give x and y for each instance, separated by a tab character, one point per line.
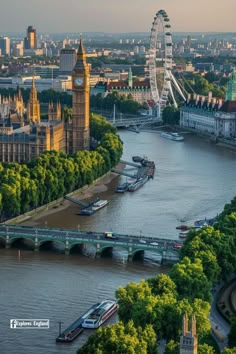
93	208
172	136
99	205
183	227
137	184
100	314
122	187
75	329
183	234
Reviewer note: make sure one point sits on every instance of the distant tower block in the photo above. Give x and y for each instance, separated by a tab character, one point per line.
30	41
188	340
67	61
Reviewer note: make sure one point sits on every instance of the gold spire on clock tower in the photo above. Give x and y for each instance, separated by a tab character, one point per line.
78	132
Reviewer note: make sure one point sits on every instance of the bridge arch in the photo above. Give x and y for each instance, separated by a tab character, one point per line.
136	252
44	243
118	247
76	246
2	241
21	242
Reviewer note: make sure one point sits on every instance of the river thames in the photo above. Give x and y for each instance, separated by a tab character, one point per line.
193	180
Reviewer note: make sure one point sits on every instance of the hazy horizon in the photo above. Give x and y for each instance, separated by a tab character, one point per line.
58	16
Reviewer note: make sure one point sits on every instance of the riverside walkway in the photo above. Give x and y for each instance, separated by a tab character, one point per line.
167	249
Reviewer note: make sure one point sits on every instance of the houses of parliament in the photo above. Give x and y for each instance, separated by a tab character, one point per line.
24	136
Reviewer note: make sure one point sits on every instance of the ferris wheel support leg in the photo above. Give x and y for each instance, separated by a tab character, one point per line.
177	86
173	97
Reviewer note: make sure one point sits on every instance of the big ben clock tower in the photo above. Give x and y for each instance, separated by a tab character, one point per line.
78	138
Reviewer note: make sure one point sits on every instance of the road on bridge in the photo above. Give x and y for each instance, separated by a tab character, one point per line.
16	231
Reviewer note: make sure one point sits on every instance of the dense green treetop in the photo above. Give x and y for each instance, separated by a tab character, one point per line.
190	280
229	351
205	349
121	339
123	104
171	115
232	333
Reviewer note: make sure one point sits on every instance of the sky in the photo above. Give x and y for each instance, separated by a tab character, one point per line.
116	15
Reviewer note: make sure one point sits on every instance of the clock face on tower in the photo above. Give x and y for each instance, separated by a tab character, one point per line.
79	81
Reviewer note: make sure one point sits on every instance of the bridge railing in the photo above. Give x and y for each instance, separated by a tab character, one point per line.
43	232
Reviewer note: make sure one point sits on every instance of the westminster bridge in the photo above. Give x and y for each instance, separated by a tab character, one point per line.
166	249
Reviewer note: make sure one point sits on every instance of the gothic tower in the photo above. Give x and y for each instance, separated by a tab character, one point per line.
78	134
54	112
188	340
33	107
18	103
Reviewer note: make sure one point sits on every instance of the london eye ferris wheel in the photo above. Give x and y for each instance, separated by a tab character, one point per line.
162	80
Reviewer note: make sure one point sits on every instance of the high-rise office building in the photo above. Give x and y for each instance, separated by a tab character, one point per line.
18	49
30	41
189	42
67	61
5	45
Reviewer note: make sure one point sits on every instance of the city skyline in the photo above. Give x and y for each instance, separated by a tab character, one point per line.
107	16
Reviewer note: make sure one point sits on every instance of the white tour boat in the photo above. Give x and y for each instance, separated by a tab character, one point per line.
99	205
100	314
172	136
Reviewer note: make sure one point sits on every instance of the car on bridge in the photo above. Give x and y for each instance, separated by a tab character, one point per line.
177	245
154	243
142	241
110	236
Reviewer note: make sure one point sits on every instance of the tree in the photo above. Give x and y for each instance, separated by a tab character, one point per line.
232	333
172	347
229	351
205	349
171	115
162	284
128	296
121	339
190	280
67	114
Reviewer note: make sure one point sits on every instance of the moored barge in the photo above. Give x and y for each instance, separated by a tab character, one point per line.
75	329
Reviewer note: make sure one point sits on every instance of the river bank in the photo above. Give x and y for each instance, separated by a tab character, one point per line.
100	186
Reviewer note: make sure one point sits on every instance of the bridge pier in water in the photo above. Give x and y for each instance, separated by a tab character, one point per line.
8	244
36	244
98	251
130	258
67	248
130	255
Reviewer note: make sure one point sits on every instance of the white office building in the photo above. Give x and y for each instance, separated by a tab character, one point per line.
210	115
